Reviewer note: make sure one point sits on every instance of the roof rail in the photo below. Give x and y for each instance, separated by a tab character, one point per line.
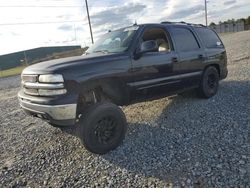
168	22
184	23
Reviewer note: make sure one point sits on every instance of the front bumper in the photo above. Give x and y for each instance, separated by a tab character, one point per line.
62	115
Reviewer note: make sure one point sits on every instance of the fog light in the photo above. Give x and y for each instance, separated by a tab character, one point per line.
47	92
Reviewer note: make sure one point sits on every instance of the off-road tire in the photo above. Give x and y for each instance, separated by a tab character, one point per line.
102	128
209	83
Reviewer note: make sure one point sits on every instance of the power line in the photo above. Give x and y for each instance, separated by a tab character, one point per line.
35	6
60	6
53	6
51	22
34	23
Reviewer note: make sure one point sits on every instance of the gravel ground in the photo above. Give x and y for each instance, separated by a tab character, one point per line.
177	142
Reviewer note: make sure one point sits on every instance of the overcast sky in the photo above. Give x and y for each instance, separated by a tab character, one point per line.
26	24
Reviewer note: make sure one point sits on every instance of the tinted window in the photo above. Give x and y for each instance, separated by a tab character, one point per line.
185	40
209	38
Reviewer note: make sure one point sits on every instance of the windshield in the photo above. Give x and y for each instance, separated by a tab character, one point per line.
115	41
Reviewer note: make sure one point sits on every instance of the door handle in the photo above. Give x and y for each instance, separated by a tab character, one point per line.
200	56
175	60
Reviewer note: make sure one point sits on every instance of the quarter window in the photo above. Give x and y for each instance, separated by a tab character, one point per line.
185	40
209	38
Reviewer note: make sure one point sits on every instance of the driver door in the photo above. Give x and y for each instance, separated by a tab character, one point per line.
154	72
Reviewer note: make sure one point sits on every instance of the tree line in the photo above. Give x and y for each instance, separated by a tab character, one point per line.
229	21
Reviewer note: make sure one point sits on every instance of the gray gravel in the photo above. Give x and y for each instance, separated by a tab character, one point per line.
10	82
183	141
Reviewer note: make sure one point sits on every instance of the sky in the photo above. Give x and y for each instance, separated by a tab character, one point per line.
27	24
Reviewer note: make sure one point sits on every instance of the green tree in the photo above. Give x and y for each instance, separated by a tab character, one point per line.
230	21
245	20
212	24
241	20
248	20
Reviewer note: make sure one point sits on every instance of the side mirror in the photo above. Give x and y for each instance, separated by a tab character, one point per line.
149	46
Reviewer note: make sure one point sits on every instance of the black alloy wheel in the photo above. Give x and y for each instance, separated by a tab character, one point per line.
102	128
210	83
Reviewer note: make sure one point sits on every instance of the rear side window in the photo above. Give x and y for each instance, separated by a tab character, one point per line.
185	40
209	38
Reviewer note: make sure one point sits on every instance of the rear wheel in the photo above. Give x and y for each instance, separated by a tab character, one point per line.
209	83
102	128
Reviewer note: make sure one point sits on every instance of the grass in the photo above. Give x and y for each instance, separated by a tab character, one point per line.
11	72
18	70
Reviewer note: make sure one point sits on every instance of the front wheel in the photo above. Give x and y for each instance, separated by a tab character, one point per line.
209	83
102	128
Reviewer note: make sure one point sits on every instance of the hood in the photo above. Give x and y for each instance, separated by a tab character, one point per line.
60	65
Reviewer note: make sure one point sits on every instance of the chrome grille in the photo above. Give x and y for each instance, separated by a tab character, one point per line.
29	79
30	91
32	86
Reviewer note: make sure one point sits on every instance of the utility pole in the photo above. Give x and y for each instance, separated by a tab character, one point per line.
75	33
90	28
206	11
25	58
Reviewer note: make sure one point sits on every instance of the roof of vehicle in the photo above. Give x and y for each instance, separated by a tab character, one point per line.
183	23
173	23
165	23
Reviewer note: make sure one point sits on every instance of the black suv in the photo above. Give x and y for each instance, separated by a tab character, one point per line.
125	66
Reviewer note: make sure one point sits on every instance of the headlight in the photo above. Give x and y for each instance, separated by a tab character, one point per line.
51	78
47	92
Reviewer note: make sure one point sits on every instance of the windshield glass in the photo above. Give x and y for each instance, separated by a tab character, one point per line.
115	41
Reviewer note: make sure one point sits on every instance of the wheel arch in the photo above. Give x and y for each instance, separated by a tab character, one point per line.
112	89
217	66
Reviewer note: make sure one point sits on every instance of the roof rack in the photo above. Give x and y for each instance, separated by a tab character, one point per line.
184	23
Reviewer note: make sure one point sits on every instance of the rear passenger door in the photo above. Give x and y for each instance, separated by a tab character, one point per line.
191	55
214	48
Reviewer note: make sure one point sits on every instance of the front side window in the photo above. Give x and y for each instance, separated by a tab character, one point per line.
185	40
209	38
159	35
115	41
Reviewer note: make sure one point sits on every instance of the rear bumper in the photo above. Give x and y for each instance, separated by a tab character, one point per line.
62	115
